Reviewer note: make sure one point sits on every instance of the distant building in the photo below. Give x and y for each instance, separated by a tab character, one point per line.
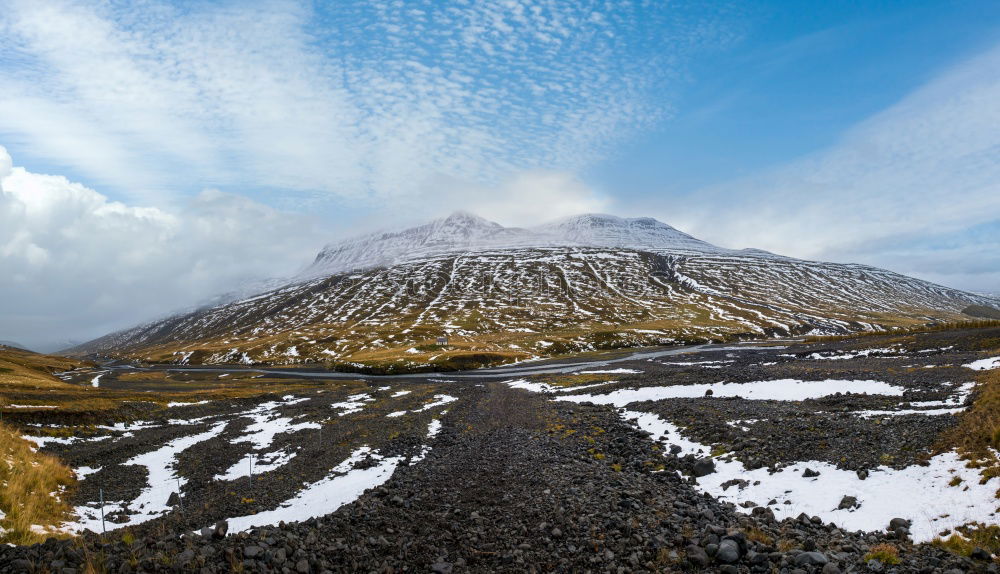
443	341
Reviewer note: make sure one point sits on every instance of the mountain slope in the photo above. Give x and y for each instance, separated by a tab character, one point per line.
20	368
638	282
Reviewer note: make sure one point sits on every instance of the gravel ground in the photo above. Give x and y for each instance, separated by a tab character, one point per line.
517	482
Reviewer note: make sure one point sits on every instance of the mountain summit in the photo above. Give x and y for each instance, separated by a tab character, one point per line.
466	232
601	230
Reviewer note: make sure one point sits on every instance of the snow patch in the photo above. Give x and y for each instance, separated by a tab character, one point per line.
984	364
161	482
261	464
353	404
344	485
918	493
777	390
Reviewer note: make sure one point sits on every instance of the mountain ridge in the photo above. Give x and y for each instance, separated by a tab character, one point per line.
506	294
462	231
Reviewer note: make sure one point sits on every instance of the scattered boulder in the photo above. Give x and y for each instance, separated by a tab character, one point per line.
981	554
848	502
809	473
184	557
220	530
729	552
899	522
811	559
703	467
697	556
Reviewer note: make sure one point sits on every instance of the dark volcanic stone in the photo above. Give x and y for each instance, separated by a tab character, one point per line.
980	554
703	467
696	556
810	559
221	528
897	523
848	502
728	553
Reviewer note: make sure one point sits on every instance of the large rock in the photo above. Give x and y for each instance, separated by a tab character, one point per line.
697	556
980	554
848	502
221	528
184	557
898	523
729	552
703	467
810	559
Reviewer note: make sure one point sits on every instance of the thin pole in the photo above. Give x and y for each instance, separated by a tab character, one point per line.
180	497
104	530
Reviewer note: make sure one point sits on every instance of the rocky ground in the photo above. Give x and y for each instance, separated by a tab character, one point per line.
484	476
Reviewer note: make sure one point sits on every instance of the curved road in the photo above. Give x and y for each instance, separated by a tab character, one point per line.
552	366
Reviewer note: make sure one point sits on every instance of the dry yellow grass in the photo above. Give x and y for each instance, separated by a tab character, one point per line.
573	380
977	435
909	328
970	537
884	553
25	369
75	398
33	493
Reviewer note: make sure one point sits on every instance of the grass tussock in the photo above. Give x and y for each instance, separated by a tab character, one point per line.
970	537
884	553
33	488
759	536
573	380
977	435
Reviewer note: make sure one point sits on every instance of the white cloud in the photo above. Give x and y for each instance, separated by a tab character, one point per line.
926	168
76	265
367	100
527	198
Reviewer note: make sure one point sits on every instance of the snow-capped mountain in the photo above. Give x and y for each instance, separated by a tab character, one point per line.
463	232
599	230
504	294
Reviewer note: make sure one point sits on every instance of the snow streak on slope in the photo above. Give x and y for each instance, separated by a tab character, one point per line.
526	302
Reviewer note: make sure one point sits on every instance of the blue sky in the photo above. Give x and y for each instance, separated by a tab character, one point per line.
793	82
189	147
